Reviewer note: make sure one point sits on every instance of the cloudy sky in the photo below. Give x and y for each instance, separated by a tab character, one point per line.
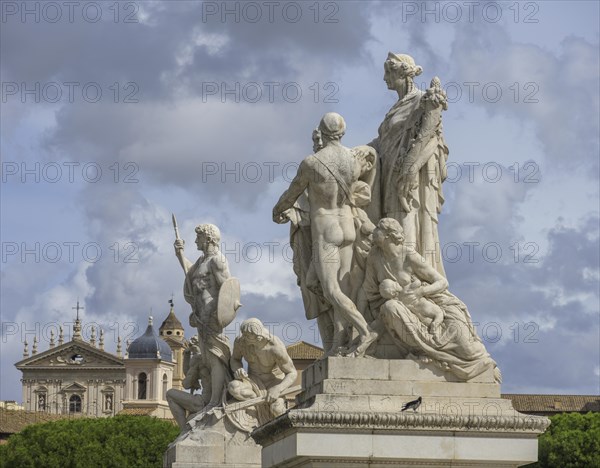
116	115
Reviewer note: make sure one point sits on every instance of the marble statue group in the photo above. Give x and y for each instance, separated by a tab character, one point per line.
364	232
365	237
209	363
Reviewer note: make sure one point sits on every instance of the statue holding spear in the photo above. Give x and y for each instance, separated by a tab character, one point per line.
214	296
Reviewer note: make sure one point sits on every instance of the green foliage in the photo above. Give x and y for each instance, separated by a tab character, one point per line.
122	441
571	441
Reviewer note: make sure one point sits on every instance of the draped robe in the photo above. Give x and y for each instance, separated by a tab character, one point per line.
458	349
397	134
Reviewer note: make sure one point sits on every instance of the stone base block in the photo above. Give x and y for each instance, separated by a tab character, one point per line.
367	369
383	385
190	455
327	449
216	444
349	414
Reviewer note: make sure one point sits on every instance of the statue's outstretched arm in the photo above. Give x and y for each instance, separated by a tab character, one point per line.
424	271
296	188
235	362
286	365
284	362
183	261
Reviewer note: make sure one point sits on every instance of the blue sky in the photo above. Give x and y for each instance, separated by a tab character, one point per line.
208	122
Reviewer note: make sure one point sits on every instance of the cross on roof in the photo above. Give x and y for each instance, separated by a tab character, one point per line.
77	307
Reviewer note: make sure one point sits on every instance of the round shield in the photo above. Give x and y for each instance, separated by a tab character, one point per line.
229	301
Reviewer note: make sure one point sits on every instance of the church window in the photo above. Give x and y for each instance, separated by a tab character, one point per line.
75	404
142	386
165	384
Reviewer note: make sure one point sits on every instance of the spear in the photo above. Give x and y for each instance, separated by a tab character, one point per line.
177	238
220	411
175	227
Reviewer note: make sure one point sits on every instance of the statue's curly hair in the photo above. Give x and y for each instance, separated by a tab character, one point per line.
212	233
392	229
255	327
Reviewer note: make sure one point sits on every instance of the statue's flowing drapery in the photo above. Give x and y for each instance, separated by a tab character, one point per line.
397	134
456	347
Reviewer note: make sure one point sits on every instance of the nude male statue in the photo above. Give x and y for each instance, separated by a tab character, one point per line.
270	368
203	281
315	305
328	176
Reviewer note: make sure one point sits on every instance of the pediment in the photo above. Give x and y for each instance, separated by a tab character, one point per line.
74	387
74	354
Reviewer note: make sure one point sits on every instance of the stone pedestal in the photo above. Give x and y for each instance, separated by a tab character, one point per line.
349	415
214	443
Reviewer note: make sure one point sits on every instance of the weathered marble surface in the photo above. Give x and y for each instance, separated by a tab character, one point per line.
270	370
211	292
409	299
412	158
213	443
218	436
350	414
364	230
381	291
333	180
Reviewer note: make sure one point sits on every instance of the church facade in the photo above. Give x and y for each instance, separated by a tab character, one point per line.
74	377
80	378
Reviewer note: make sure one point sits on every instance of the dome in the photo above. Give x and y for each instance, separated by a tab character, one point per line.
171	325
149	345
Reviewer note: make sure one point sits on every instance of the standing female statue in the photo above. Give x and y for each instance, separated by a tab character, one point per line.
412	159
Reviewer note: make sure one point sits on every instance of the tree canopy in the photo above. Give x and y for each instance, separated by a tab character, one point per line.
132	441
571	441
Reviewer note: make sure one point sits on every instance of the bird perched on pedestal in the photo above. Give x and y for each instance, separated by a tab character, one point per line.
413	405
